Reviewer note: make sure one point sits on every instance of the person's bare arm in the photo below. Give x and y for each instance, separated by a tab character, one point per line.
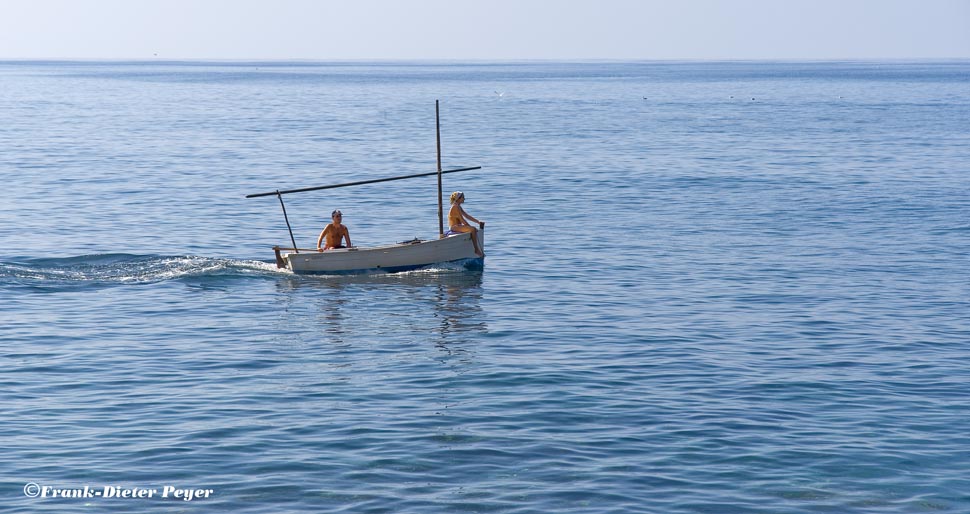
469	216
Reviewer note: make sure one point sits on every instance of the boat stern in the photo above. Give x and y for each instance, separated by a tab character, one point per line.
280	261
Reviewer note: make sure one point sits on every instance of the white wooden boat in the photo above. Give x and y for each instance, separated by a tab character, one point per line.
451	251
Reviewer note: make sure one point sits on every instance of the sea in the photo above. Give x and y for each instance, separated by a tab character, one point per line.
709	287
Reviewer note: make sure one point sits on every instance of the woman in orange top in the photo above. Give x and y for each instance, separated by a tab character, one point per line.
458	220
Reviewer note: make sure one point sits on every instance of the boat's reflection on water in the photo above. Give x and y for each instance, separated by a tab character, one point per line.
441	305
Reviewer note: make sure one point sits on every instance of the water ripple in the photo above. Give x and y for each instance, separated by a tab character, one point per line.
692	302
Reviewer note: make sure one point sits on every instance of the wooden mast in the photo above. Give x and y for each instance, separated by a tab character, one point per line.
437	130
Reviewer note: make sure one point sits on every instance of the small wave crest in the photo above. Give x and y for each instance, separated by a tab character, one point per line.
108	269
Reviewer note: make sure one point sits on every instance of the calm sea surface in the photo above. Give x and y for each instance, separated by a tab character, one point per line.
736	287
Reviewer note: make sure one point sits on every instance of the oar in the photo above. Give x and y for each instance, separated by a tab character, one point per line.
360	182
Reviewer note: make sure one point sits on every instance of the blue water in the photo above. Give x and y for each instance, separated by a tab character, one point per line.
730	287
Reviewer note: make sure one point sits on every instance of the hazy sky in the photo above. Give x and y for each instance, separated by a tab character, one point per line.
484	29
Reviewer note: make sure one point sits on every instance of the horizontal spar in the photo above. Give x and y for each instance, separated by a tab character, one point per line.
361	182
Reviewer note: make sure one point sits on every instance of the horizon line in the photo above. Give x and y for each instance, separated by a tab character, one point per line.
450	60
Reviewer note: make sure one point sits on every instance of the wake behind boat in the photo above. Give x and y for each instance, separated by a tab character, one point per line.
448	250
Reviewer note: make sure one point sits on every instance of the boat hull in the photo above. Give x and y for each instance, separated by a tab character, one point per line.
451	251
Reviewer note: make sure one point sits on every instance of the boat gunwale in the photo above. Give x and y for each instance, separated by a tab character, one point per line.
412	242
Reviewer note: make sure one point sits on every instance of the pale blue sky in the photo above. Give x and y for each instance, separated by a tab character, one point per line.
480	29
